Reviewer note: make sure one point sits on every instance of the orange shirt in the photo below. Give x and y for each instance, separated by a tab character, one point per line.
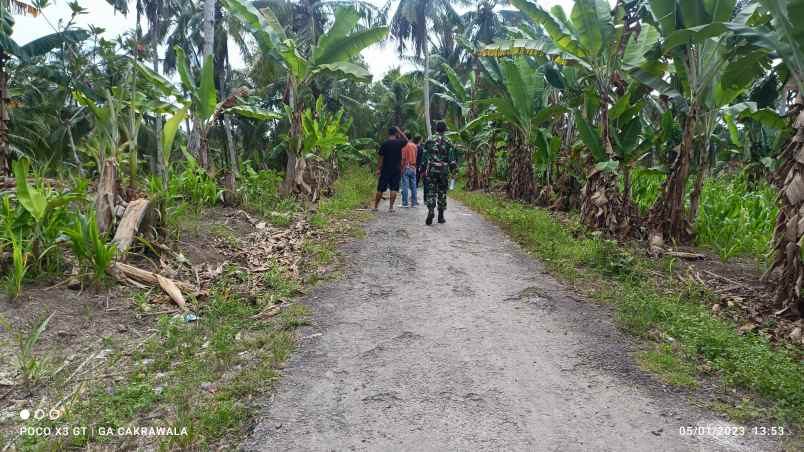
409	154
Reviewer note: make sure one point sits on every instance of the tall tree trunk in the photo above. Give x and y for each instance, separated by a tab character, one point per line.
71	142
160	157
197	142
787	269
520	170
667	219
208	30
5	165
231	178
427	123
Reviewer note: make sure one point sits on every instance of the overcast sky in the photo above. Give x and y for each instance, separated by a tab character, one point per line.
379	58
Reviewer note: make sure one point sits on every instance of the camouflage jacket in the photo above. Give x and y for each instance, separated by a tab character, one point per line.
439	155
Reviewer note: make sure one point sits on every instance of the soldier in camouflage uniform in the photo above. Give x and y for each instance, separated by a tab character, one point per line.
438	159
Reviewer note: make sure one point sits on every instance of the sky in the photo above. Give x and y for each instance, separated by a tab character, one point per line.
380	58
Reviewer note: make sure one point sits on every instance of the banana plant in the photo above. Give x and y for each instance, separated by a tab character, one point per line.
521	102
323	132
331	54
201	103
463	111
710	71
595	41
776	27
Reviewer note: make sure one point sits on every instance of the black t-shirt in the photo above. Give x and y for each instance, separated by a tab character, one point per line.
391	152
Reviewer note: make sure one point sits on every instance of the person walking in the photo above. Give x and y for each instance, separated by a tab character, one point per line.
389	166
409	174
439	160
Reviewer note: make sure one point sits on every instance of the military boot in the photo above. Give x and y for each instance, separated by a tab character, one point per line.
430	215
441	216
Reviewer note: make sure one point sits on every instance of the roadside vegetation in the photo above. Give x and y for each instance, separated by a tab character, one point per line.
650	302
207	373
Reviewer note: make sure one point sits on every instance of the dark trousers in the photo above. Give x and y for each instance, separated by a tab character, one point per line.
435	191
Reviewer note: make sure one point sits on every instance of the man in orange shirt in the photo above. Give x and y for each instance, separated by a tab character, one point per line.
409	174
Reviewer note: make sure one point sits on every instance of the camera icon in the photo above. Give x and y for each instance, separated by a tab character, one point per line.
40	414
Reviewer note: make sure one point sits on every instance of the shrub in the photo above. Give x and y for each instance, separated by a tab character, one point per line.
259	190
194	185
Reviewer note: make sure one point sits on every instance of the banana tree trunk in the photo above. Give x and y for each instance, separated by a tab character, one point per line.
198	143
5	165
473	173
296	166
520	170
491	162
787	268
703	170
602	204
230	143
667	219
428	125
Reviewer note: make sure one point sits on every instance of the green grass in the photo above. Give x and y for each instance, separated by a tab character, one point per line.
649	307
259	191
736	218
198	375
668	365
353	190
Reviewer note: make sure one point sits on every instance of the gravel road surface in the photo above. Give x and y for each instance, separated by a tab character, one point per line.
451	338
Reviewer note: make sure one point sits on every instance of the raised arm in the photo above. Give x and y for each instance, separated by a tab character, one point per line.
401	134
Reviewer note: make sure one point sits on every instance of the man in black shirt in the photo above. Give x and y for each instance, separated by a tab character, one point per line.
389	168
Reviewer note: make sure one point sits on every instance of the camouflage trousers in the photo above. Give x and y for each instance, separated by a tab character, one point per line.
435	188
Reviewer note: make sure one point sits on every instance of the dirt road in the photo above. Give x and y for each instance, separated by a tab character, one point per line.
451	338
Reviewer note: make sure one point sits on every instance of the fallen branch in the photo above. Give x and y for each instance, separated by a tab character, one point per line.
685	255
123	271
267	313
11	182
728	280
130	274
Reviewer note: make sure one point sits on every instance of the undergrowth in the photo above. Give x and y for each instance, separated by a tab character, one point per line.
205	375
736	217
646	308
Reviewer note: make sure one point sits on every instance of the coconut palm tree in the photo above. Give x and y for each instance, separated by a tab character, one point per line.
410	26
